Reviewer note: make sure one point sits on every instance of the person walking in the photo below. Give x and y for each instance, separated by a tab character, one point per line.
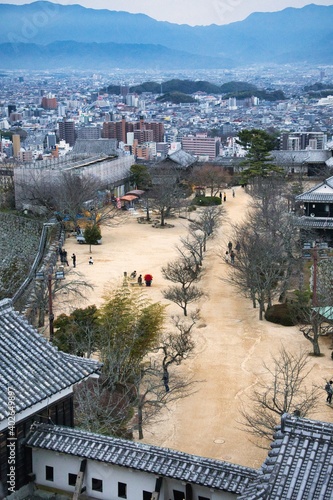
329	391
237	247
224	197
232	257
91	261
74	260
140	280
229	246
64	255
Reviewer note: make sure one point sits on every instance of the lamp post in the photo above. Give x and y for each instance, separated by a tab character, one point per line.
59	274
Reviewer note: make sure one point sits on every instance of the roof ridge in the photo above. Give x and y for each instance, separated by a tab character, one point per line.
77	433
6	305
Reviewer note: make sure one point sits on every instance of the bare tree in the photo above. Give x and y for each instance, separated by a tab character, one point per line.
315	314
269	246
102	410
177	346
103	215
282	389
258	267
71	288
213	177
151	396
206	223
269	216
166	193
183	296
194	244
63	193
184	272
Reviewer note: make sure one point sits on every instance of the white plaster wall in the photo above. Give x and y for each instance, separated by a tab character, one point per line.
62	464
136	481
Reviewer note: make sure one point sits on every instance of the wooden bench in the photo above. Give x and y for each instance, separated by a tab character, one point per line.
134	283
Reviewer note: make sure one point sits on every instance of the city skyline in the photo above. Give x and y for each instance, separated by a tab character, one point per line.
192	12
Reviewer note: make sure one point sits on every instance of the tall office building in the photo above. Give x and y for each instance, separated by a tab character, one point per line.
297	141
67	131
201	145
232	103
16	140
124	90
11	109
49	102
118	130
50	140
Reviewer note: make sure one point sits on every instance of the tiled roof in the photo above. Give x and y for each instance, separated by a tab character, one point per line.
299	465
315	197
311	194
32	367
314	222
182	158
302	157
147	458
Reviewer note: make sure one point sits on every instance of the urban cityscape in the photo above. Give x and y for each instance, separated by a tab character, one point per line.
56	110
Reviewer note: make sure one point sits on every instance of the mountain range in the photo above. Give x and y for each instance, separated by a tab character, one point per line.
44	35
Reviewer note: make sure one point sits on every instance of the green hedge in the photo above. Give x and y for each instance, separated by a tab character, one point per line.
206	201
280	314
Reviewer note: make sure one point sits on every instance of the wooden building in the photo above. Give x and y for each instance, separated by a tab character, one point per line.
315	212
36	384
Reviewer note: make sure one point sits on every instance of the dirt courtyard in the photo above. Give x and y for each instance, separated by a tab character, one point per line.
231	342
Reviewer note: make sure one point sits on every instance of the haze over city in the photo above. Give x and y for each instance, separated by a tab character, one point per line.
192	12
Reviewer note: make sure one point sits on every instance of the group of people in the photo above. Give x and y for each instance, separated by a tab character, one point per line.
230	254
63	256
147	278
224	196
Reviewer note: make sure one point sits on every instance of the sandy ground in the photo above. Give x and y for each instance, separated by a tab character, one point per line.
231	342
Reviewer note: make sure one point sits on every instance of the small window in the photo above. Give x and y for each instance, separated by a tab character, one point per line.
96	484
203	498
178	495
72	479
122	490
48	473
146	495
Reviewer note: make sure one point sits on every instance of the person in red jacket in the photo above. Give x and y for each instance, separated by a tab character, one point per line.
148	279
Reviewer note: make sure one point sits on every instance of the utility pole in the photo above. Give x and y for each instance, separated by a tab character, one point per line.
51	315
314	281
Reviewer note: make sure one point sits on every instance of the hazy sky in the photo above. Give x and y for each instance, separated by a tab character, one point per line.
193	12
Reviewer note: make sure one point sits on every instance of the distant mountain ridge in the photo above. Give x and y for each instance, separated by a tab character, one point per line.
108	38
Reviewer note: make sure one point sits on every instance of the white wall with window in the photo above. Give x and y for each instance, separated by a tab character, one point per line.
111	482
